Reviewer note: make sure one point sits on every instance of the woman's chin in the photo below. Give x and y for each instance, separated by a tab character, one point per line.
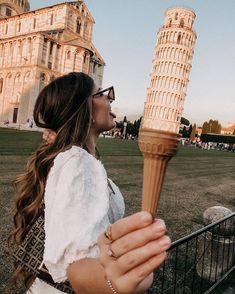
112	125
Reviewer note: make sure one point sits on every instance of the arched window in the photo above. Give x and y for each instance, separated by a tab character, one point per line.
78	25
181	23
1	84
52	18
27	77
42	80
10	49
84	58
176	15
42	77
179	38
170	22
17	78
68	55
34	23
8	11
51	48
19	26
85	29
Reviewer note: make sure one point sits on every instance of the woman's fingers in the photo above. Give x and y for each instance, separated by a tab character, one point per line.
129	282
131	223
140	255
126	225
134	258
117	230
143	270
138	238
131	249
45	134
49	136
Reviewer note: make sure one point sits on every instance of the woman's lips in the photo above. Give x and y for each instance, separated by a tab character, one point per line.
112	114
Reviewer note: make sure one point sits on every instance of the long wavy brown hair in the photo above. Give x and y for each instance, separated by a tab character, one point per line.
64	106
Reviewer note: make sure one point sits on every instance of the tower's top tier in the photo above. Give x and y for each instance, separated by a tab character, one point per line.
179	17
13	7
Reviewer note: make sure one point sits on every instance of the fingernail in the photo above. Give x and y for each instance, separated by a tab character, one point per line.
159	226
146	216
165	242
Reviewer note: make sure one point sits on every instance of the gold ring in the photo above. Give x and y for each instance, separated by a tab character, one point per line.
111	253
108	234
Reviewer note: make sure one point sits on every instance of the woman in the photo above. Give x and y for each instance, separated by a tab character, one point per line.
80	202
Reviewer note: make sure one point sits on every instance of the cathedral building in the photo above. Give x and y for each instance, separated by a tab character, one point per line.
38	46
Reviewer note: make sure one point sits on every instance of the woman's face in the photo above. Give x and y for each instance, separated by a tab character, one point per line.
102	117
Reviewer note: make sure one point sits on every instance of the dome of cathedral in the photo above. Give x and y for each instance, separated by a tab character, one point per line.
14	7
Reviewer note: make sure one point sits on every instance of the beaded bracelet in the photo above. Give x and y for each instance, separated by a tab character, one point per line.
111	287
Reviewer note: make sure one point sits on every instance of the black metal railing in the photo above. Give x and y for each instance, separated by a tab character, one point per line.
198	263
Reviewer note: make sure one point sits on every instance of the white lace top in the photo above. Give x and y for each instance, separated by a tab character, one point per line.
79	205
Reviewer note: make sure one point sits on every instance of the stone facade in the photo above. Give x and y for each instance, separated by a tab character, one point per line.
38	46
170	72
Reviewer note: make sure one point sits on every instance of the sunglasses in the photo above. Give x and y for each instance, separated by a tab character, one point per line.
109	92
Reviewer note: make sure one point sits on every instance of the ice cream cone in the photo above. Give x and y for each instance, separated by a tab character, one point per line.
157	148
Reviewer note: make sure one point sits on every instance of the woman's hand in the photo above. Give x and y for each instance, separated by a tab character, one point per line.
131	250
49	136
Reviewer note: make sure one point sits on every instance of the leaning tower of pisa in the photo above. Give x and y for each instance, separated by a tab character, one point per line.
170	70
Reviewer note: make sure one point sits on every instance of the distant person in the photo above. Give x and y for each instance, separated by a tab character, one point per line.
29	122
233	148
88	244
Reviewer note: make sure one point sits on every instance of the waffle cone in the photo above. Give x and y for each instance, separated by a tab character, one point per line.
157	148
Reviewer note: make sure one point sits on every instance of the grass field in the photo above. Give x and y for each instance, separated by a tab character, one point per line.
195	180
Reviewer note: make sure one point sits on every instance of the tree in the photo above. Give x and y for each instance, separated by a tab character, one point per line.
120	126
189	131
184	132
205	128
193	133
131	128
138	124
184	121
134	129
213	126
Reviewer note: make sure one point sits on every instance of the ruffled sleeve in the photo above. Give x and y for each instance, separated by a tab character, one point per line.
76	206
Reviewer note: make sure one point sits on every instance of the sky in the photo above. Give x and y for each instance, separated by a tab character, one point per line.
125	35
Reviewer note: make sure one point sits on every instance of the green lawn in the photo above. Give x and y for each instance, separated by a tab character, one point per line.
195	180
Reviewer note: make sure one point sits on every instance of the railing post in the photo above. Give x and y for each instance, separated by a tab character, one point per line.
217	249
